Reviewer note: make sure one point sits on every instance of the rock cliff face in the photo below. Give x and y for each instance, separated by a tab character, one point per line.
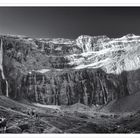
89	70
86	86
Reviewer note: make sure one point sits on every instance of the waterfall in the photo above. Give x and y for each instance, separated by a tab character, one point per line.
1	68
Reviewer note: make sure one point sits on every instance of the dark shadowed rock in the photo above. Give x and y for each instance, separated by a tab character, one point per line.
86	86
24	126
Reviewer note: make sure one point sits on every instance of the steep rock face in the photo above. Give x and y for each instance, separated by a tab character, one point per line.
113	55
4	83
90	43
86	86
89	70
58	47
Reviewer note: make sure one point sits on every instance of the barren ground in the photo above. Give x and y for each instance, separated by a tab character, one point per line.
77	118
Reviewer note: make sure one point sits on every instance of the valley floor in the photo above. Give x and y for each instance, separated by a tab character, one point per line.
76	118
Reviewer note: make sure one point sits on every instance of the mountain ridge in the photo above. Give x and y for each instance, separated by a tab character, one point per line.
89	70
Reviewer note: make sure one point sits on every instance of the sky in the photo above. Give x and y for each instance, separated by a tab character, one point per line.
69	22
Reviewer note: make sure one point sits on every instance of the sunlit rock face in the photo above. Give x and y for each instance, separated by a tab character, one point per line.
89	43
111	55
91	70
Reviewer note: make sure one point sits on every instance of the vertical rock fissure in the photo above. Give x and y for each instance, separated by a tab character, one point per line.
1	68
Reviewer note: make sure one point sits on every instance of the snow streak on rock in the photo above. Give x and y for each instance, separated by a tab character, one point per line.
112	55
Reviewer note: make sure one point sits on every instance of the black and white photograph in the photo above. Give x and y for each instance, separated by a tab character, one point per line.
69	70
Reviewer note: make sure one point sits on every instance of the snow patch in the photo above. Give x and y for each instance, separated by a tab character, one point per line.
56	107
43	70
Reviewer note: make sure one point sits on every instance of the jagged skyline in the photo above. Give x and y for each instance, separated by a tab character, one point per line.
69	22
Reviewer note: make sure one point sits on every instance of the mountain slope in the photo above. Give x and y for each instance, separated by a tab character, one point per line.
125	104
90	70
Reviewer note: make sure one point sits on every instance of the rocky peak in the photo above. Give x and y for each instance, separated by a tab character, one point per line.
90	43
113	55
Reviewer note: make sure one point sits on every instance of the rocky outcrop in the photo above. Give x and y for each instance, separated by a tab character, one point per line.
67	87
111	55
90	43
4	84
88	70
